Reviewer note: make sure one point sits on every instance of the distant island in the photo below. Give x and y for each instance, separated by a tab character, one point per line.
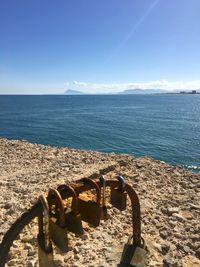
135	92
125	92
73	92
142	91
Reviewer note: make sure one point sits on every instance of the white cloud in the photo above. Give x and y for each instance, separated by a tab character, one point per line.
117	87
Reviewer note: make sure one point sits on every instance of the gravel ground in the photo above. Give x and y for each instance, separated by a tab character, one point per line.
169	198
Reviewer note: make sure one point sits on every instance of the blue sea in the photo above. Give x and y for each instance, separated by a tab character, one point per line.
166	127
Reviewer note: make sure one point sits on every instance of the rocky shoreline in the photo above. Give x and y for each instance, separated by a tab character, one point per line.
169	198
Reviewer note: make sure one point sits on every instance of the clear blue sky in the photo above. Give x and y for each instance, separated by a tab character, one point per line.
104	45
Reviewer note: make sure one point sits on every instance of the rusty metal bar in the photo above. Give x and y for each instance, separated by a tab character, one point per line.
36	210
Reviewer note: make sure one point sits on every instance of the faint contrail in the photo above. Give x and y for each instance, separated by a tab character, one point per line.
131	33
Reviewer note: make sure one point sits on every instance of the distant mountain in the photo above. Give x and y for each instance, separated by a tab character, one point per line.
133	92
142	91
73	92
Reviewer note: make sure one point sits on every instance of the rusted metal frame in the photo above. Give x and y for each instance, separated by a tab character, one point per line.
136	216
36	210
55	193
102	181
93	184
72	193
43	222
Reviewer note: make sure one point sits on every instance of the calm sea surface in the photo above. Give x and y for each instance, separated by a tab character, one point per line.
166	127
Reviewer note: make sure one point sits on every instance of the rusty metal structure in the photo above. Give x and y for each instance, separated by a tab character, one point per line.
45	249
80	211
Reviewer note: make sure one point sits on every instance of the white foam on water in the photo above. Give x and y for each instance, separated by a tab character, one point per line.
193	167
